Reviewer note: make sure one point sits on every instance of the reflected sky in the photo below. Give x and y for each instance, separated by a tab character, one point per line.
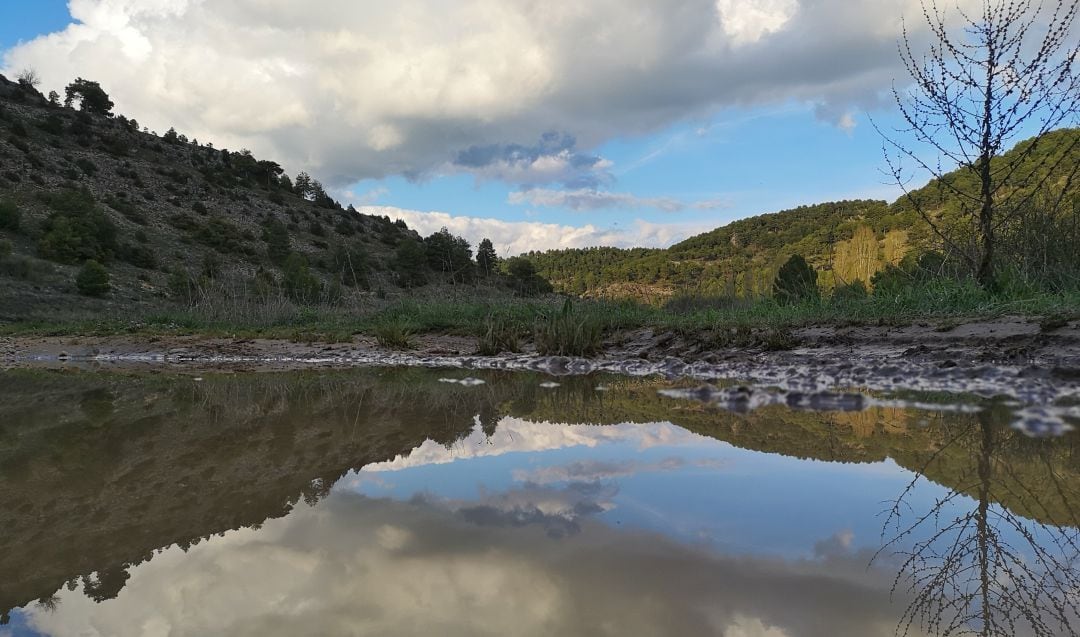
476	519
539	529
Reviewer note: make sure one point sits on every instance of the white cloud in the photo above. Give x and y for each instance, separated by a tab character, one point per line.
351	90
593	199
359	566
515	435
515	237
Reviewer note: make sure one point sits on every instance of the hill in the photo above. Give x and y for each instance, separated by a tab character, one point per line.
175	221
844	241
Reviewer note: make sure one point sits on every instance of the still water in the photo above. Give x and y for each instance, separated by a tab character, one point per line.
407	502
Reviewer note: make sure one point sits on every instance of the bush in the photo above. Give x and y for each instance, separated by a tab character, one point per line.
498	335
88	167
5	248
848	292
77	230
523	277
278	248
795	282
350	266
569	333
409	263
395	334
299	283
93	279
139	256
10	215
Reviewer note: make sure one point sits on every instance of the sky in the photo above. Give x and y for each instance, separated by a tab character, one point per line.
537	124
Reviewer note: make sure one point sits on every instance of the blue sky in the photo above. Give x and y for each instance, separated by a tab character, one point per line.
650	147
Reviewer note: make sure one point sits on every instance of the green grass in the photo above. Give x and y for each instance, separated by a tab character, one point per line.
498	322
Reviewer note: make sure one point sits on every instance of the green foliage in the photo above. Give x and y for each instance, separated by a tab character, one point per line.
350	265
10	215
487	260
138	255
854	291
394	334
52	125
796	281
410	261
569	332
278	247
499	334
90	96
523	277
449	254
5	248
92	279
298	281
77	230
183	286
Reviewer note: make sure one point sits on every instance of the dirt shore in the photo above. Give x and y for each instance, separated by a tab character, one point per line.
1033	366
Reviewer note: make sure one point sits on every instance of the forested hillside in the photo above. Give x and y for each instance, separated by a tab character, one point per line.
843	241
100	217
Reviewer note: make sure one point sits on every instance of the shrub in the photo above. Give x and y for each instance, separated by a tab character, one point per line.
523	277
854	291
892	281
299	283
409	263
199	207
139	256
350	266
77	230
93	279
569	333
795	282
10	215
498	335
394	334
276	236
5	248
184	287
88	167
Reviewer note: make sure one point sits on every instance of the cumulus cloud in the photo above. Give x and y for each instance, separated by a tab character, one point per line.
517	435
516	237
592	199
358	566
352	90
553	160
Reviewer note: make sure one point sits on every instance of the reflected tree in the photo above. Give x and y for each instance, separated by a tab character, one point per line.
975	565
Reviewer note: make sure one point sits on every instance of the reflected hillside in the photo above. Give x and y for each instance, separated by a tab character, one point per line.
100	471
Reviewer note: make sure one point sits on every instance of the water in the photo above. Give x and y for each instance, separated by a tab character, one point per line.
413	502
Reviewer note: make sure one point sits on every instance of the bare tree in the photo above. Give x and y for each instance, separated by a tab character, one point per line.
975	566
28	78
1009	71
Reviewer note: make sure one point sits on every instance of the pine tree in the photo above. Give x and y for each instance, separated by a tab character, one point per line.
486	259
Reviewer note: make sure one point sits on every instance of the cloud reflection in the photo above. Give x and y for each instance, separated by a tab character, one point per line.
360	566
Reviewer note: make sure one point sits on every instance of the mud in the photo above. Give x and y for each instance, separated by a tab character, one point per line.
1035	368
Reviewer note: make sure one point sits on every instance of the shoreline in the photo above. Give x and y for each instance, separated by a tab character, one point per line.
1014	359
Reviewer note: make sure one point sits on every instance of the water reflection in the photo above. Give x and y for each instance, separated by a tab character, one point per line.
388	503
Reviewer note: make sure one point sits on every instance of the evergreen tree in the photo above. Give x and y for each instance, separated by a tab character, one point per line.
92	98
450	254
302	185
486	259
409	261
93	279
796	281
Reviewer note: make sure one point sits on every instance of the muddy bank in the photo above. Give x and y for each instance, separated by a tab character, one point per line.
1036	363
1033	366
